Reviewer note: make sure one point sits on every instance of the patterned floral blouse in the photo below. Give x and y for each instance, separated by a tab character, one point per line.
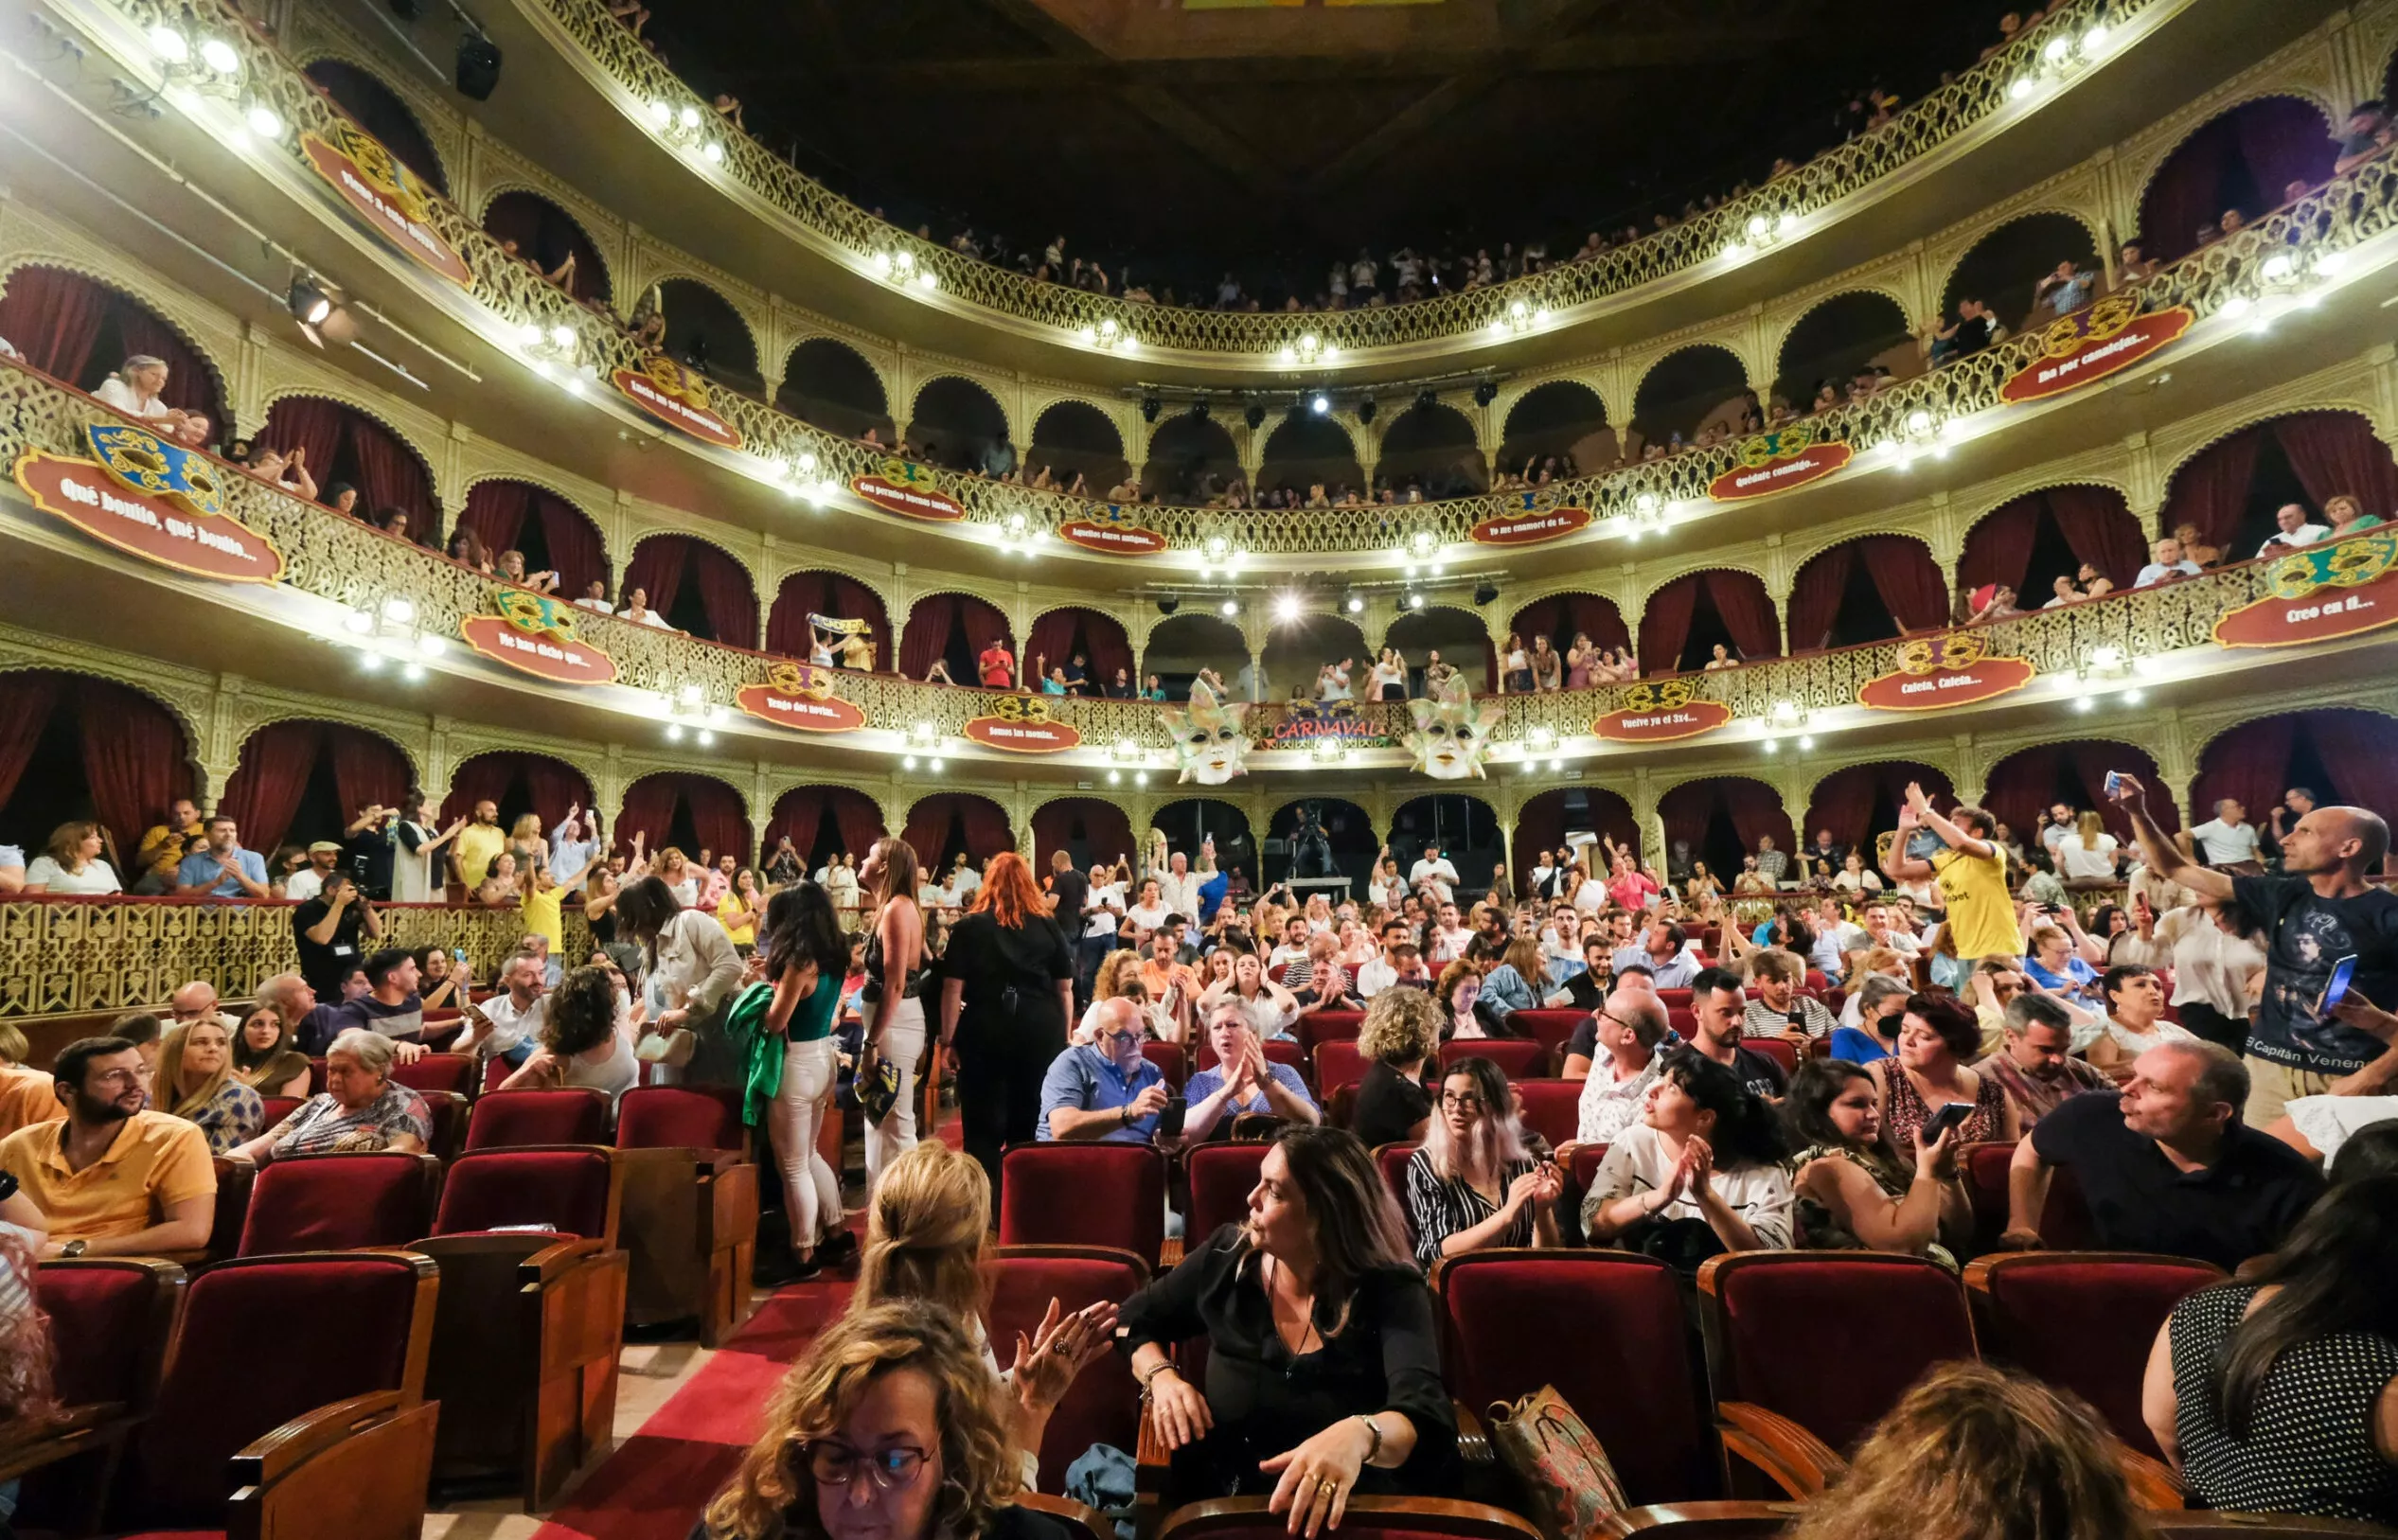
321	1124
233	1116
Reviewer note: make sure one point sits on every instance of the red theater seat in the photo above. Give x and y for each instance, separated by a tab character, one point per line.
1223	1176
1519	1058
688	1218
1330	1027
2064	1219
112	1320
340	1202
1785	1055
1586	1166
1552	1108
1551	1029
1337	1064
681	1117
1169	1058
439	1072
1104	1405
1392	1160
1084	1195
538	1117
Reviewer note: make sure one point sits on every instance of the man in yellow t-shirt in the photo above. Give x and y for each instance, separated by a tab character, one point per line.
112	1178
478	842
162	848
1972	875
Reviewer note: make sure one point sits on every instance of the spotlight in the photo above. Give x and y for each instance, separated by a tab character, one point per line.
1486	393
1230	608
1169	605
1426	400
1149	408
1286	607
1321	404
1254	417
1199	410
1366	409
218	55
264	122
478	68
1355	604
1415	601
1486	590
169	45
310	304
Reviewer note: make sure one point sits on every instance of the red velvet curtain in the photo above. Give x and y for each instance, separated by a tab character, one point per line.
576	553
265	792
1754	807
1558	616
928	827
189	386
2211	490
1106	829
1665	625
927	636
1998	547
2275	140
1110	649
366	768
1815	596
2335	452
2101	530
1907	581
2031	779
53	316
1543	824
2361	748
987	830
727	594
495	513
310	423
985	825
27	695
985	624
1746	610
136	760
547	235
824	593
390	476
555	785
1844	801
857	818
483	778
656	569
717	817
2251	762
648	810
799	812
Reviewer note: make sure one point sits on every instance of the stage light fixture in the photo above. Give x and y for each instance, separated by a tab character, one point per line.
310	304
1366	409
1254	417
1199	410
1149	405
1321	404
478	68
1486	393
1426	400
1486	590
1169	605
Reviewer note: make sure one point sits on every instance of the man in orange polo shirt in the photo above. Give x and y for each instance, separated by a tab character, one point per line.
27	1094
113	1179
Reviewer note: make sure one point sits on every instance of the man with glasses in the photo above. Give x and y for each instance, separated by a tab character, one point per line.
1109	1092
113	1179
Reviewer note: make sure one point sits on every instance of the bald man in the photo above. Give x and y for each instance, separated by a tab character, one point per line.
2320	909
196	1002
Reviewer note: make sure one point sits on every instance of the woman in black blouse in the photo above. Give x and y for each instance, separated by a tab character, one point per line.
1323	1374
1402	1031
1007	990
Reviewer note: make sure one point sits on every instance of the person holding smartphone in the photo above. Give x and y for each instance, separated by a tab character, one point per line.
1937	1039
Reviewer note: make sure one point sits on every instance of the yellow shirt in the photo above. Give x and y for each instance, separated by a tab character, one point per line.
156	1162
543	916
162	848
1981	914
477	843
728	909
28	1096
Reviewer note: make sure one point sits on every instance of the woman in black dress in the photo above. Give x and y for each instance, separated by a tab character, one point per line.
1007	990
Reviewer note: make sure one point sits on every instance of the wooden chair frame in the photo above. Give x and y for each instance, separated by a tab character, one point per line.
92	1435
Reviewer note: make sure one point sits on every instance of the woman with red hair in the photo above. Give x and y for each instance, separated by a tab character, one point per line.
1008	991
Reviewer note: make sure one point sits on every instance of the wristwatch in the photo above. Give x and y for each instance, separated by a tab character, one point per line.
74	1249
8	1185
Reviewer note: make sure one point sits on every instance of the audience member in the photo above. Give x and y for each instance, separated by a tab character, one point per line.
361	1107
1718	1009
1399	1035
1881	1015
1780	1010
1701	1173
802	960
195	1082
390	1006
1107	1091
586	1044
2167	563
223	870
1937	1041
1473	1184
2134	1021
112	1178
1242	1079
1851	1194
1630	1025
2034	1067
71	862
264	1058
2291	530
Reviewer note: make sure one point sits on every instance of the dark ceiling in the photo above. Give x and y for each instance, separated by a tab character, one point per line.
1269	137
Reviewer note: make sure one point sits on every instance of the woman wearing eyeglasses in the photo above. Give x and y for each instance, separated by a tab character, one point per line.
1473	1184
888	1428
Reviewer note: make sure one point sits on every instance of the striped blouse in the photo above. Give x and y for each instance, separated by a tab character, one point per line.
1439	1207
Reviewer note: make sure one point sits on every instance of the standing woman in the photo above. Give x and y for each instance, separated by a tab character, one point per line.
739	909
586	1045
1579	661
1515	668
1008	991
892	999
805	960
1547	671
690	973
416	850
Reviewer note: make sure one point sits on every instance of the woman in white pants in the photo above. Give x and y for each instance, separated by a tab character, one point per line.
804	954
895	1009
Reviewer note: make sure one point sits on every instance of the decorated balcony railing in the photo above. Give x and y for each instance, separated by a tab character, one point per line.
2072	35
2279	260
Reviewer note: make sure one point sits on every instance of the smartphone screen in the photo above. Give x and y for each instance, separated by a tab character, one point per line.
2114	783
2342	972
1951	1115
1170	1120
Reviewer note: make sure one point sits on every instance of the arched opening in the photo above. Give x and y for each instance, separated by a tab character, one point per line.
1564	420
959	425
1191	459
378	110
1562	617
1546	821
1192	639
1858	805
1090	831
1466	829
1456	637
823	821
696	588
516	781
2228	490
951	628
1688	389
2005	266
950	823
829	384
1848	338
2035	539
547	236
347	448
1687	619
2342	755
2073	773
76	747
1431	448
1722	817
698	815
1296	649
1075	439
302	780
550	533
2254	158
1867	590
1305	452
791	631
1347	829
82	332
708	335
1061	637
1191	821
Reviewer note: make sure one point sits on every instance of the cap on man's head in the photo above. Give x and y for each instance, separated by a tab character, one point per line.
325	847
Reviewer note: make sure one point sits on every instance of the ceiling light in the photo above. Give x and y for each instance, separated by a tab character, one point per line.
1757	224
412	673
358	622
2095	38
1556	766
399	610
430	645
927	280
218	55
706	738
2279	266
1140	777
310	304
661	114
1806	740
1356	605
2084	703
2021	88
372	661
562	336
690	117
264	122
2133	697
713	152
1415	601
1230	607
170	44
1771	746
692	694
908	763
2056	50
1116	777
1320	405
1286	607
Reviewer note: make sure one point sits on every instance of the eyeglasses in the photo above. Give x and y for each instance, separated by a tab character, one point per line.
124	1077
838	1465
1467	1103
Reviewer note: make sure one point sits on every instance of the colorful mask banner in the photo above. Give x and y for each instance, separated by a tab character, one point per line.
1943	671
1531	526
800	696
2093	343
386	194
902	486
1021	725
149	498
2319	594
677	398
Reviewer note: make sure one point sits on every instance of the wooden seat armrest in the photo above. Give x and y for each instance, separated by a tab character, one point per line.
1087	1522
191	1258
2152	1481
1473	1439
274	1454
353	1468
27	1443
552	1263
1789	1456
1698	1515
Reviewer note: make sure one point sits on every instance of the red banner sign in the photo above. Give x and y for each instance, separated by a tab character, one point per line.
1029	735
1780	473
1661	724
921	500
1114	540
1984	679
148	526
542	656
1530	526
676	402
2092	345
792	709
2324	615
383	192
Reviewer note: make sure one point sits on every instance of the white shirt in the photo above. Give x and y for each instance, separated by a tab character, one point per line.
1147	916
2209	967
96	876
1107	909
1374	976
511	1027
966	883
2156	571
114	392
2225	843
1592	896
1636	1163
303	885
1448	945
1439	871
1179	895
598	607
2076	860
2292	540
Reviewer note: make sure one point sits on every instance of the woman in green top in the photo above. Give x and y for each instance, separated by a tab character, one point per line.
804	956
1853	1195
2347	516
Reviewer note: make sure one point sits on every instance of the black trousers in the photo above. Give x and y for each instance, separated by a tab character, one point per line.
2230	1032
1001	1062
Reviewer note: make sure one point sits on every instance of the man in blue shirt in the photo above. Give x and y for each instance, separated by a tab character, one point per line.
225	870
1107	1092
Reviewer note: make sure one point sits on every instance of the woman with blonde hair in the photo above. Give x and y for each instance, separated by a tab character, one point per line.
195	1081
1977	1453
1402	1029
893	1000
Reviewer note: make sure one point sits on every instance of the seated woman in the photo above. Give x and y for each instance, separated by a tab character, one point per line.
1242	1079
1473	1184
888	1426
1401	1032
362	1107
1270	1007
1936	1038
1323	1365
1853	1195
585	1042
1520	983
265	1060
1663	1173
195	1082
1458	990
443	980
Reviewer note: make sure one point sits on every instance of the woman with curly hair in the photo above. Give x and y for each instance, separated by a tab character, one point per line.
888	1429
584	1044
1402	1031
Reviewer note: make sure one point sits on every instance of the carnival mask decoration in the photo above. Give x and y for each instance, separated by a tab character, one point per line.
1453	734
1209	742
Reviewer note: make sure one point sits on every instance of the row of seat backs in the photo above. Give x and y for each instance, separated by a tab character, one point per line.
348	1202
646	1117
